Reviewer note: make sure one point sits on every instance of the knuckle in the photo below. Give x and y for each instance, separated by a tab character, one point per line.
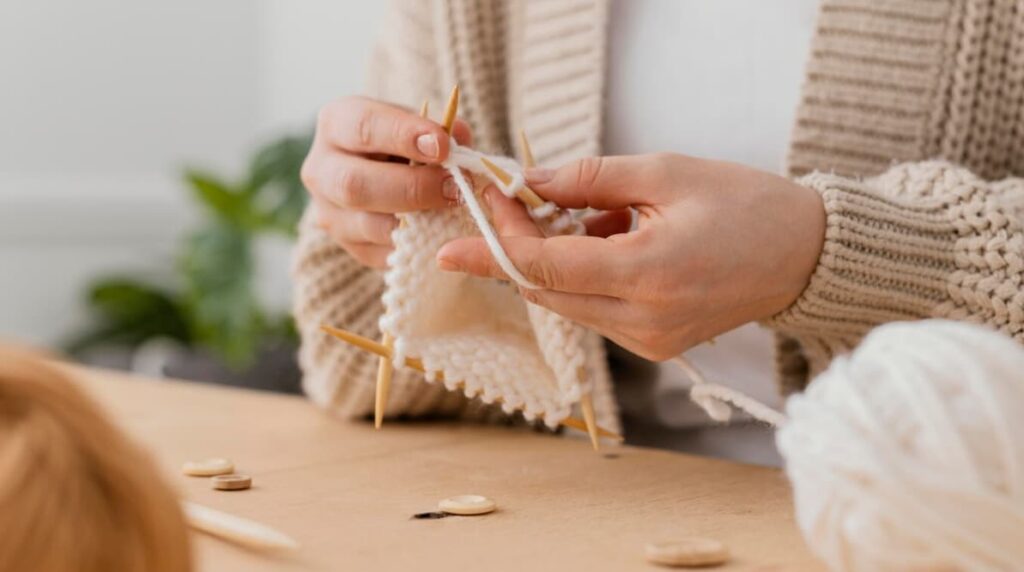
415	193
587	171
323	222
364	121
400	132
325	117
543	274
328	115
307	173
662	164
351	188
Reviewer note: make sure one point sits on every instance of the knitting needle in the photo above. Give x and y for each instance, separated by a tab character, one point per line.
524	194
586	400
385	369
451	110
236	529
524	148
417	364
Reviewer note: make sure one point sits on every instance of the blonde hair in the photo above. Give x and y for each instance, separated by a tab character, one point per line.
75	493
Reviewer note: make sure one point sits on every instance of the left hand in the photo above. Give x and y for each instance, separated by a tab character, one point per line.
717	245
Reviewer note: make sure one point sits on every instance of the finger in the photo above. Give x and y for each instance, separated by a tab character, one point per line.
462	133
353	182
608	223
510	216
347	226
576	264
363	125
372	255
595	311
605	183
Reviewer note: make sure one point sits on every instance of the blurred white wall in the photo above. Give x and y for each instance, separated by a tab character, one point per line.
102	102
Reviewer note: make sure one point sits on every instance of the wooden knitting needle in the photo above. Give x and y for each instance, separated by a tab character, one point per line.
586	400
524	194
417	364
451	110
385	369
236	529
524	148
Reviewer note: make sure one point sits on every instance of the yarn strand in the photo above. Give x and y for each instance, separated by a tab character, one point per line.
488	232
460	158
715	399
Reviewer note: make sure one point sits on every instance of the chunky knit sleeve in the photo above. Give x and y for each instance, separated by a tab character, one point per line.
921	240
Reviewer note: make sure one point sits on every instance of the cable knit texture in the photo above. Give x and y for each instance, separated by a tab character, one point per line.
934	87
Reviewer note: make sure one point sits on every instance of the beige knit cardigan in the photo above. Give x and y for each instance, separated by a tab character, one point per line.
910	125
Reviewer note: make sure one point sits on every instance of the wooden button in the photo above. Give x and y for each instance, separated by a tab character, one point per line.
467	505
208	468
232	482
688	552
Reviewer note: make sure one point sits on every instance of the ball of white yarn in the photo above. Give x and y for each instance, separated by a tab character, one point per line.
909	453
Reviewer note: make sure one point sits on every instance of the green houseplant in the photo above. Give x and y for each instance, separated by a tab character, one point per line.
211	307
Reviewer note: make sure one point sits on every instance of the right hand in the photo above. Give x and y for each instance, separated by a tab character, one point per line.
357	182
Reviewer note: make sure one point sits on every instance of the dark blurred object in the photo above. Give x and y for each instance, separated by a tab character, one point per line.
213	310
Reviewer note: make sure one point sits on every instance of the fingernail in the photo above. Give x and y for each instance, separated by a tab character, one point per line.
449	190
427	144
539	175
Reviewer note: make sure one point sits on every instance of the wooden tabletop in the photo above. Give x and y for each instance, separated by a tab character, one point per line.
347	492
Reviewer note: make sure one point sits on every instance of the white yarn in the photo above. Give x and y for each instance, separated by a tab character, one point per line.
715	399
909	454
490	237
490	343
459	158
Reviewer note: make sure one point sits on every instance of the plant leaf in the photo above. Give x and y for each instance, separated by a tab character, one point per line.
223	202
129	312
278	195
218	269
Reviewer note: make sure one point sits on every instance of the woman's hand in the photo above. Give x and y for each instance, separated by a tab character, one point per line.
717	245
358	172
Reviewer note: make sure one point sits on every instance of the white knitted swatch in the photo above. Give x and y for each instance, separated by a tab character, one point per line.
487	340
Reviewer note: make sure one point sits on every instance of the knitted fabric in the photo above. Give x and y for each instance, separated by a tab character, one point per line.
888	81
486	340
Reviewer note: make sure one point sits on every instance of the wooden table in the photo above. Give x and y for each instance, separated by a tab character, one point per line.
347	492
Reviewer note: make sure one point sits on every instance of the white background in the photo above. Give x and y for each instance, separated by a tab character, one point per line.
102	103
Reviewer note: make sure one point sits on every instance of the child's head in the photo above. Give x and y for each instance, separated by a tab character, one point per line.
75	494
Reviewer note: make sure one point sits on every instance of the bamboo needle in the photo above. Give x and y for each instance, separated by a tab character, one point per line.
524	194
385	369
236	529
416	364
524	147
587	400
451	110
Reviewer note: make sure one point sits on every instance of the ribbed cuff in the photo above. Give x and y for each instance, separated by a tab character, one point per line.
884	259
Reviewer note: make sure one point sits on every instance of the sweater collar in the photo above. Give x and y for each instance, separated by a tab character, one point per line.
556	75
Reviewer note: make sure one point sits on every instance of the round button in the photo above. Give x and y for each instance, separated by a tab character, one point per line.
232	482
467	505
692	551
208	468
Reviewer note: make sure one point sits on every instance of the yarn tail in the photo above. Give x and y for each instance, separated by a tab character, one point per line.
715	399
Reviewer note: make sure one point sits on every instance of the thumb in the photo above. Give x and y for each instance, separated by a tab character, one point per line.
605	183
